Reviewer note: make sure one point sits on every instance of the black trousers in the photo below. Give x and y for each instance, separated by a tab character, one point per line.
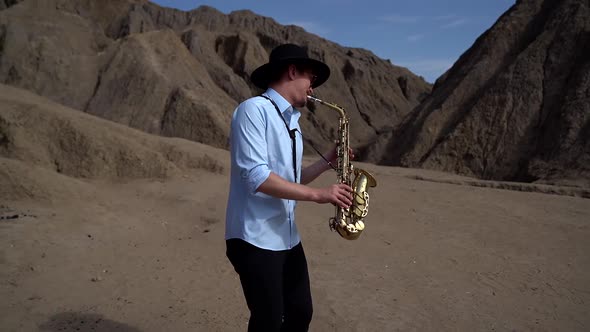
275	284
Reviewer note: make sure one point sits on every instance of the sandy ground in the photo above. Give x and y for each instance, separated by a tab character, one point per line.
149	255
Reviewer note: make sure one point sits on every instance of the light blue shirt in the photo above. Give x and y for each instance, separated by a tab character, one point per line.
260	144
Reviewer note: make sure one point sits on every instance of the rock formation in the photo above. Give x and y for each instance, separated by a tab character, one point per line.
515	106
181	74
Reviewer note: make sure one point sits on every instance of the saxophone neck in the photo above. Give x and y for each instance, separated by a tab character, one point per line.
330	105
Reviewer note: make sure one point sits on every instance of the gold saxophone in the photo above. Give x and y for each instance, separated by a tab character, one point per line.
349	222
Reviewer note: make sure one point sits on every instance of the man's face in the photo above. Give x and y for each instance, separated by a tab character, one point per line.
303	80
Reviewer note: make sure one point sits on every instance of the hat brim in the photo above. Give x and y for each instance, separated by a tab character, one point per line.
261	76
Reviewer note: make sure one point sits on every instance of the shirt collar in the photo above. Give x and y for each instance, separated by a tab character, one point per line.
281	102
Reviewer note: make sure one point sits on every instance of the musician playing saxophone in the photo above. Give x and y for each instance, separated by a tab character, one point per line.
266	182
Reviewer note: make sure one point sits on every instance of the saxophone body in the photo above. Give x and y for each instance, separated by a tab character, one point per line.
349	222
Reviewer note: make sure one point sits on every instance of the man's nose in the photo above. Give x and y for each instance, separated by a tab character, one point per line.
310	91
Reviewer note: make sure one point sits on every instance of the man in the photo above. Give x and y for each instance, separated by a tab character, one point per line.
262	240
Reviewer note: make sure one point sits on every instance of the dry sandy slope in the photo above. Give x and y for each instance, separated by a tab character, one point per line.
148	255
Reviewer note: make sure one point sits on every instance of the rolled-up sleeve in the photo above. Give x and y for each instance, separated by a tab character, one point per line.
249	147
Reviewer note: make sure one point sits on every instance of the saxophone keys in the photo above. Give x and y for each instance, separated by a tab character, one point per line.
352	227
361	199
359	225
364	213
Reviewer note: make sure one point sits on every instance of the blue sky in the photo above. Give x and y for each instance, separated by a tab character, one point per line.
425	36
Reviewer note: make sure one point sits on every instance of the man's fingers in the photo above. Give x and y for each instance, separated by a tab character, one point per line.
346	187
341	195
345	199
344	195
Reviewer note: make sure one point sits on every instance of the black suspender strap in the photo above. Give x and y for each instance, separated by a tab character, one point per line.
291	134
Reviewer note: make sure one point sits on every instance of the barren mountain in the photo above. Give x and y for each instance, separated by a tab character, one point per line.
176	73
515	106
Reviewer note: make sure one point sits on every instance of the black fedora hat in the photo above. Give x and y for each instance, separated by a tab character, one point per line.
289	54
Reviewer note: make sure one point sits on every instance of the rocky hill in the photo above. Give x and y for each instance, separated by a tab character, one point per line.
181	74
46	149
515	106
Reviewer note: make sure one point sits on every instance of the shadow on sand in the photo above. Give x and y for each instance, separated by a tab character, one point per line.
83	322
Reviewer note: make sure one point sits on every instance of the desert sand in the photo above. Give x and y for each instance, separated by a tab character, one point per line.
149	255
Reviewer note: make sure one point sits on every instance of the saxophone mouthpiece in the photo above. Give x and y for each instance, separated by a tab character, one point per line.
312	99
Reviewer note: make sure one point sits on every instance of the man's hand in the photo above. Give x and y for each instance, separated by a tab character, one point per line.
332	156
337	194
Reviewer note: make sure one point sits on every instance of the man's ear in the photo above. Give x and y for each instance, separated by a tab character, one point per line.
292	72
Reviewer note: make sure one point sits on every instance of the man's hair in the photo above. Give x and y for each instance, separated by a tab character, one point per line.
277	74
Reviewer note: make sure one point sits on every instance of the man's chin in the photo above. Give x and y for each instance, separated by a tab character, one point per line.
300	104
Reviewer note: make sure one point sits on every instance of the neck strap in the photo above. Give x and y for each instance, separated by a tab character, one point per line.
291	134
